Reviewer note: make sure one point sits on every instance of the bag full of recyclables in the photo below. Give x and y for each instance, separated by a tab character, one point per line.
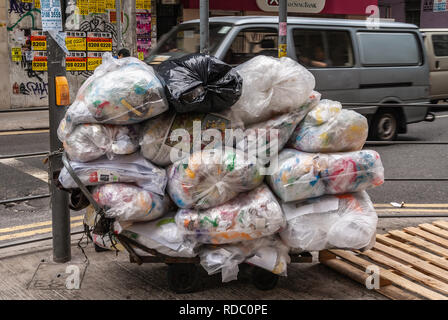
269	253
329	128
126	202
162	235
120	91
210	178
199	82
266	139
303	175
159	142
271	87
88	142
251	215
345	221
124	169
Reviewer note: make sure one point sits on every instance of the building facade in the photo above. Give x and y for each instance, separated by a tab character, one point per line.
423	13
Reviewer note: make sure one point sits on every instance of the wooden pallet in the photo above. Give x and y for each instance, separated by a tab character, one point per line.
413	262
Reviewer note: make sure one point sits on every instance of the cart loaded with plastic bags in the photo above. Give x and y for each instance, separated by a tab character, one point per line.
201	165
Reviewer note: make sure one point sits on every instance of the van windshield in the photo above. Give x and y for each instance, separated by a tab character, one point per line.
185	39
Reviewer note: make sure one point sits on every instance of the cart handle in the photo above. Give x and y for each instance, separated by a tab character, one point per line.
81	186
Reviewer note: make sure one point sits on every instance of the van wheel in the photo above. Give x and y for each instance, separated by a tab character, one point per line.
384	125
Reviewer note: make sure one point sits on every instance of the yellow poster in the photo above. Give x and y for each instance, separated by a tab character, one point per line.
75	64
101	6
39	43
39	64
27	1
16	54
75	44
141	55
143	4
93	63
83	6
110	4
37	4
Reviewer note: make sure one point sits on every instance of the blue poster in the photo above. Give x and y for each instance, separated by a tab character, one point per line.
439	5
51	15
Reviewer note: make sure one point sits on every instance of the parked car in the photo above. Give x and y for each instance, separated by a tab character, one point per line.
351	62
436	43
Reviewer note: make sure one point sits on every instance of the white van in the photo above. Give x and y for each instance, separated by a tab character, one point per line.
436	43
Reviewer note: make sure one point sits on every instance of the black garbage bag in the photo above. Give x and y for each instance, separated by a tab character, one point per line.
199	82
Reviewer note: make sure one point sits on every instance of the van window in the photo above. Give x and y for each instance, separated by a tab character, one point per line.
389	49
323	48
440	43
251	42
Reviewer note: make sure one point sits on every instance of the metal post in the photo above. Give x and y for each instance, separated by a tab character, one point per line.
203	27
282	24
60	214
119	34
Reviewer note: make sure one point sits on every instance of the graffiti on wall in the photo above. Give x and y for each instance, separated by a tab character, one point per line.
37	88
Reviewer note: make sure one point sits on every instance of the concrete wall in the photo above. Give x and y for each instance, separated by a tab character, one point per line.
20	86
398	9
4	58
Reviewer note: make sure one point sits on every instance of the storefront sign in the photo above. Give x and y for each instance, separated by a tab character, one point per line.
94	59
303	6
39	61
99	41
76	61
76	41
38	40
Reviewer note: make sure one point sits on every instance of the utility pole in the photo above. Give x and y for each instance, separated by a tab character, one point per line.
203	26
60	213
282	28
119	34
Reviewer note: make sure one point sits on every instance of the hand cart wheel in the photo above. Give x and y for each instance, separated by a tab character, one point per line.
183	277
263	279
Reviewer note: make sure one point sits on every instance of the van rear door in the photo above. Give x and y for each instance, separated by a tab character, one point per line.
439	65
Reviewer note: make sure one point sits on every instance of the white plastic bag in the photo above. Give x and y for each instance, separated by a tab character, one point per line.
251	215
211	177
303	175
329	128
271	87
126	202
88	142
345	222
121	91
269	253
125	169
162	235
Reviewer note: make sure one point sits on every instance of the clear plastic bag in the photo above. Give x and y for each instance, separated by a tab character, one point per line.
123	169
210	178
345	222
269	253
200	83
303	175
266	139
271	87
251	215
157	142
121	91
88	142
126	202
329	128
162	235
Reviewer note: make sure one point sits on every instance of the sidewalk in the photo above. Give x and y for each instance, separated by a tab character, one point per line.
111	277
24	120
